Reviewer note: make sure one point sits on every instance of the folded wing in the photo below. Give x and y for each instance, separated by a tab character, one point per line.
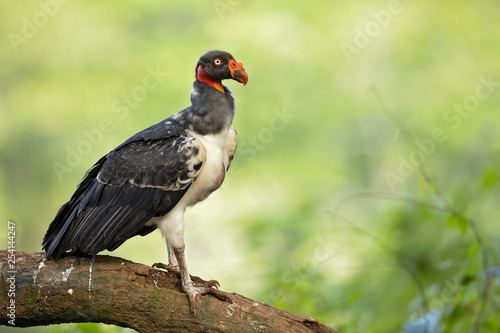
122	192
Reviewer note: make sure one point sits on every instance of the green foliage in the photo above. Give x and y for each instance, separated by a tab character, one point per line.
364	191
459	221
86	328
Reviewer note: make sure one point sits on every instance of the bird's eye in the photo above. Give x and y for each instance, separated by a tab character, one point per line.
217	62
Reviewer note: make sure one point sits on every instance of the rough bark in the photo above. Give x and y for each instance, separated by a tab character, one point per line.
115	291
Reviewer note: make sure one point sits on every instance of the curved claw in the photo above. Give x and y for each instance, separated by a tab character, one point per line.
213	283
193	292
159	265
169	267
199	281
194	278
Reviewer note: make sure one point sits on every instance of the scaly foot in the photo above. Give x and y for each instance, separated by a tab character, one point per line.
169	267
199	281
193	291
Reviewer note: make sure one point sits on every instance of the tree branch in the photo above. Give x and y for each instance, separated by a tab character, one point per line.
115	291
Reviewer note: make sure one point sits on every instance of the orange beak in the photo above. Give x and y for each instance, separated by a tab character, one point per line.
238	71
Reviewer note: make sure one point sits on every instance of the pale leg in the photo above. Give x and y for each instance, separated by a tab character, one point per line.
172	260
172	227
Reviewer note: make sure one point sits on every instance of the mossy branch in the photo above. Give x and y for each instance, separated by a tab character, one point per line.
115	291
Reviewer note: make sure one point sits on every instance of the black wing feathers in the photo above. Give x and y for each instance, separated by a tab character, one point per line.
122	192
156	164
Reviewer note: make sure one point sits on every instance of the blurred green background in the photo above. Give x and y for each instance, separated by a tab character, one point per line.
365	188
